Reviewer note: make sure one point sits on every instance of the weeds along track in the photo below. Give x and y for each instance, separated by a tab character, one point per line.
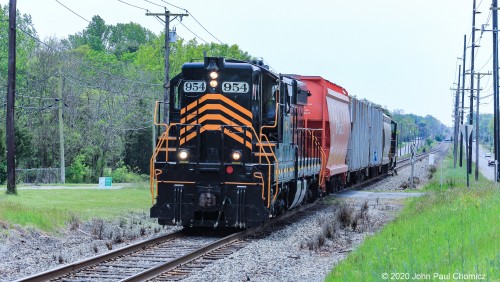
166	258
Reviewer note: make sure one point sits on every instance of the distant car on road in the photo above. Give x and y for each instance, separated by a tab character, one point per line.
491	162
487	156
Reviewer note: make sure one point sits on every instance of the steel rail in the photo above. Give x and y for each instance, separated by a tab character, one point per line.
66	269
160	269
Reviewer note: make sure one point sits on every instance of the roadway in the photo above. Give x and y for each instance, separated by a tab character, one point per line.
484	156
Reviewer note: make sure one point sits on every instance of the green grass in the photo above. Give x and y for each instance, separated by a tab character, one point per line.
49	209
453	230
455	178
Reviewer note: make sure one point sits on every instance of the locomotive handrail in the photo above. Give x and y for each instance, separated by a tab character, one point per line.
275	123
259	175
323	156
153	179
269	167
152	172
276	172
156	114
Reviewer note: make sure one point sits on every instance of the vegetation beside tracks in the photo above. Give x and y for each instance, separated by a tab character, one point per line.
50	209
452	231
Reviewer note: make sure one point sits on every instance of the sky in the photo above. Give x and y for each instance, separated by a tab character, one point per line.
400	54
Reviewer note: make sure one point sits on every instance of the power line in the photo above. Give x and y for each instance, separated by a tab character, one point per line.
159	20
192	31
37	108
137	129
72	11
174	5
31	97
156	4
491	56
133	5
204	27
478	42
192	17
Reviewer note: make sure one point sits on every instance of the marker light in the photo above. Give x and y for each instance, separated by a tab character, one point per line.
183	155
213	83
236	155
229	169
214	75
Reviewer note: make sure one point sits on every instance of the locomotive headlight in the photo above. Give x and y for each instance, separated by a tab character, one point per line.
236	155
183	155
214	75
213	83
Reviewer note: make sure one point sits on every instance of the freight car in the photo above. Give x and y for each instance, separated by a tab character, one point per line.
244	144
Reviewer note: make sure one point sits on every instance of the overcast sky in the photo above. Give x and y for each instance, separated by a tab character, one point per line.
398	53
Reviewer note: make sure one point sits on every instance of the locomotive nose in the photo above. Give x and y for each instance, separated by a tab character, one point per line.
207	200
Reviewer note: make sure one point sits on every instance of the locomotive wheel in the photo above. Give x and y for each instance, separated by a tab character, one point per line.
312	192
329	186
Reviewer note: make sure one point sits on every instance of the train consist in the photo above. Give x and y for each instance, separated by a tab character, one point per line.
244	144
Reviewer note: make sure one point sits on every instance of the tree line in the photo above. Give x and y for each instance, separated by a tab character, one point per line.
411	127
105	79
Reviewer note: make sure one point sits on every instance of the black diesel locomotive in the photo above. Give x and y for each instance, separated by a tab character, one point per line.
235	151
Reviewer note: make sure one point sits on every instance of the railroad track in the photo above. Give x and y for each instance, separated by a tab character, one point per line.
401	163
166	258
407	161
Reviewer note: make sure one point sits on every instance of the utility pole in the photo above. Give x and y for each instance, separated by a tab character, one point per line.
496	114
401	133
166	96
455	131
11	96
413	151
464	57
476	172
61	128
472	82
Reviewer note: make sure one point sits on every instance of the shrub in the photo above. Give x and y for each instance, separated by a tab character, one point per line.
428	141
124	175
77	172
345	217
3	172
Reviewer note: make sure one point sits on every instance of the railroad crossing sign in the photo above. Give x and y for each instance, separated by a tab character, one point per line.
466	130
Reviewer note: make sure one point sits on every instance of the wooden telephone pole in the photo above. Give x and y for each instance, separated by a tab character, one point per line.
166	96
11	93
